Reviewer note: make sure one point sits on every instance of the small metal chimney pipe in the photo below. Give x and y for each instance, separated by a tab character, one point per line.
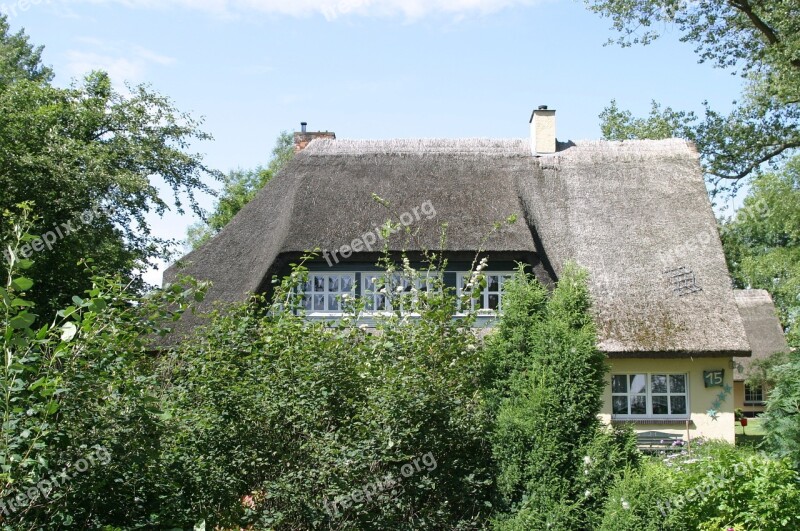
303	127
543	131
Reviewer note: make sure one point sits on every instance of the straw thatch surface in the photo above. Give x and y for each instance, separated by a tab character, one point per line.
614	207
764	330
625	211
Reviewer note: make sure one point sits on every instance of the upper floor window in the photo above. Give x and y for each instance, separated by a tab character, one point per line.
649	395
490	299
391	292
323	292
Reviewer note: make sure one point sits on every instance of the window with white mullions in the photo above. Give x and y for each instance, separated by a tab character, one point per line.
649	395
323	292
391	292
490	299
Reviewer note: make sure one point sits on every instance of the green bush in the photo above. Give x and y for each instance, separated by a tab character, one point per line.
81	423
545	382
782	418
292	416
715	486
636	501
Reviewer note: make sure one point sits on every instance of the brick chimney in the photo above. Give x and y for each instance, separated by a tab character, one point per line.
302	138
543	131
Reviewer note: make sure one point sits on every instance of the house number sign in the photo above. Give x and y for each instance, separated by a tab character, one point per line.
714	378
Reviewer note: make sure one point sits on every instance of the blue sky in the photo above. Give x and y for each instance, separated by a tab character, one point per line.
366	68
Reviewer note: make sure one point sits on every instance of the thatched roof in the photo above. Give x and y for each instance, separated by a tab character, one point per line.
764	330
629	212
617	208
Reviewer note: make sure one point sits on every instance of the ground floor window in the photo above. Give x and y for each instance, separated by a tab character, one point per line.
649	395
753	394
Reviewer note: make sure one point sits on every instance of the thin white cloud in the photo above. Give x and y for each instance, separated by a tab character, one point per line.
332	9
119	68
122	62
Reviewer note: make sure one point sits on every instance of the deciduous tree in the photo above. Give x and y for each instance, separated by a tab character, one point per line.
759	41
71	150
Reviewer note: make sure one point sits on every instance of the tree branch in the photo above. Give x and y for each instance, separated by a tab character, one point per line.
747	9
756	163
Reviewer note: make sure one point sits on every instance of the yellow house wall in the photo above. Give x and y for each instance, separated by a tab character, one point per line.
700	397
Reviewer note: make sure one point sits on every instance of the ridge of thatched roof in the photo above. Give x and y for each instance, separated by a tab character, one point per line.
422	146
763	328
614	207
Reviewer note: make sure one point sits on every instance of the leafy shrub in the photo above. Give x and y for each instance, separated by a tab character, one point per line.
636	500
546	376
715	486
291	416
782	418
80	430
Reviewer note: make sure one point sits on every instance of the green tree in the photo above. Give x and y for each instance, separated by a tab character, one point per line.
19	59
757	40
70	151
762	243
239	188
782	419
554	458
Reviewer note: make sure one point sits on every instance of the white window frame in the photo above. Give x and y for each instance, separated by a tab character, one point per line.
648	393
327	292
369	295
503	276
748	390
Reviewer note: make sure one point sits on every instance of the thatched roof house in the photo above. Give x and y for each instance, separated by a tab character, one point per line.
627	211
635	214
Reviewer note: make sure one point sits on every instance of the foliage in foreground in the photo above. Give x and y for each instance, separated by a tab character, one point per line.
714	487
554	459
271	421
266	419
303	420
79	441
782	419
